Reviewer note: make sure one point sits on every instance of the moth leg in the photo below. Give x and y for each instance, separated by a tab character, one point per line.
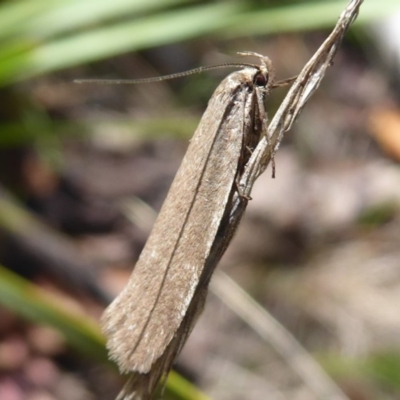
249	149
273	165
272	151
263	118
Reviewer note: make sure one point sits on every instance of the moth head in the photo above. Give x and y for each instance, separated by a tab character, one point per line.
266	75
265	72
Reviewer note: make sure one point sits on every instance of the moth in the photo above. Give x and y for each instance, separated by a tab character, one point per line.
148	323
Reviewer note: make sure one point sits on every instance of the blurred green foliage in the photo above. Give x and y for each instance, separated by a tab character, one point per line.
40	36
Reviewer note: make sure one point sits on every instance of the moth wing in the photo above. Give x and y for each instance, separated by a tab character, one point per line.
143	319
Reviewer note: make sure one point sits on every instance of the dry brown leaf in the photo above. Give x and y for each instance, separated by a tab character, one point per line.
384	126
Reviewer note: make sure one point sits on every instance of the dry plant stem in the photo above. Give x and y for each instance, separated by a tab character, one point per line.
272	332
305	85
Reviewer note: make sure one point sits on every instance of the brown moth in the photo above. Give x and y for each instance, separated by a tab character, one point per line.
148	323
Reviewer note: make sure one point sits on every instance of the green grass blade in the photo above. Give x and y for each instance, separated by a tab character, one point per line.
31	302
128	36
15	14
180	388
76	14
227	19
385	368
302	17
44	18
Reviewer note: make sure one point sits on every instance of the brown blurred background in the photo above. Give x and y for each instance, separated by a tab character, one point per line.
85	168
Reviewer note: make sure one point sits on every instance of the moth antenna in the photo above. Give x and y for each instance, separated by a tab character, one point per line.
284	82
164	77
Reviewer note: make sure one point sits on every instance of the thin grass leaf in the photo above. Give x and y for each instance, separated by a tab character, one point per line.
75	14
27	300
228	20
303	16
180	388
13	15
123	37
385	368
